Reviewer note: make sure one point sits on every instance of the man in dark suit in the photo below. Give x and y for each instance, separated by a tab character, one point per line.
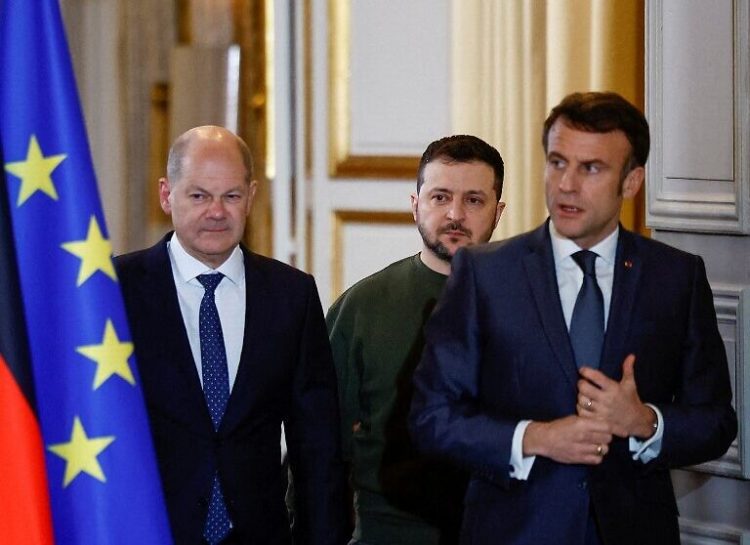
229	345
570	382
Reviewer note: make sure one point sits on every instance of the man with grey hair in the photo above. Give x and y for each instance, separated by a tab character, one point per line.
229	346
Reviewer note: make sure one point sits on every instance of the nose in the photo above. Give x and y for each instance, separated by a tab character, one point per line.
456	210
568	181
216	209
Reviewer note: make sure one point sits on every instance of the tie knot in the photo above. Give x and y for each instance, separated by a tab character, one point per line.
586	260
210	281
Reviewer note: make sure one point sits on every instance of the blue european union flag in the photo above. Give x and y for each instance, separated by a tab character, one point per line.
101	469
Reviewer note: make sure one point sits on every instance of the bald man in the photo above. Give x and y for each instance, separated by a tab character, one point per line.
229	345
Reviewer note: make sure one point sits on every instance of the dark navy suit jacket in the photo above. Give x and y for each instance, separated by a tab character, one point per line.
286	374
498	352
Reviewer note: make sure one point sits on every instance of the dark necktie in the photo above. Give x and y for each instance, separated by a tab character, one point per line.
587	323
216	390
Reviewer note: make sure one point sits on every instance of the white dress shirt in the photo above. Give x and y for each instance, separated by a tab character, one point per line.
569	281
229	297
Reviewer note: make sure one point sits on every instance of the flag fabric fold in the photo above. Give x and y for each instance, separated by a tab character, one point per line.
24	500
63	326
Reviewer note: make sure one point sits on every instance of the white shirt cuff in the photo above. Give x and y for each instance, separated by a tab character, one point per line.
647	450
520	466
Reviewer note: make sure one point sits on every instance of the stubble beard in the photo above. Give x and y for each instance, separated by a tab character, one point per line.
434	244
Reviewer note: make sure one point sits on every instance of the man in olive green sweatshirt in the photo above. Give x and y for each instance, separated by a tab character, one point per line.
375	328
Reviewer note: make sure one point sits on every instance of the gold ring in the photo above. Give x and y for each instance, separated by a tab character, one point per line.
599	450
589	403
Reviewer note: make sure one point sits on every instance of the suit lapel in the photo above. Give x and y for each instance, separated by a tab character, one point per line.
256	300
627	273
540	270
161	296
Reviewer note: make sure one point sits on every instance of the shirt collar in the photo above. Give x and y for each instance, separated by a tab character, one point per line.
188	268
563	247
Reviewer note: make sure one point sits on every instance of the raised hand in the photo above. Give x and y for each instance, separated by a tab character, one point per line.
616	403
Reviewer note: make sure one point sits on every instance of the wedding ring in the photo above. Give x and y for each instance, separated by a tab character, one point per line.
599	450
589	403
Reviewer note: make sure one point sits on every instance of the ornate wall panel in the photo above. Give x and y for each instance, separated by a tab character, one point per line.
698	65
733	313
388	85
365	242
700	533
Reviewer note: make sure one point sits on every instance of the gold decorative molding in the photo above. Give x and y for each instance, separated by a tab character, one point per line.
343	217
183	21
253	35
341	162
157	153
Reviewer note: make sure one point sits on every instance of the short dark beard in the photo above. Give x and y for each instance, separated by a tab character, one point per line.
437	247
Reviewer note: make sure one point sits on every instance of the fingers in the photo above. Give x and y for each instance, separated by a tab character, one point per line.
627	368
602	381
569	440
595	377
602	438
592	453
588	430
592	456
601	449
587	392
585	406
595	446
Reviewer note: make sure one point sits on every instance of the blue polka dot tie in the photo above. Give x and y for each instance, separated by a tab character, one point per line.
216	390
587	322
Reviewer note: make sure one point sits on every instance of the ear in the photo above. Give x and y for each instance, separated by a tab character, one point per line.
253	187
164	192
498	212
632	182
414	207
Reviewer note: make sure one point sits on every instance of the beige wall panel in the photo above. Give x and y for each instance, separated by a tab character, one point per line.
698	70
698	111
366	242
399	76
389	80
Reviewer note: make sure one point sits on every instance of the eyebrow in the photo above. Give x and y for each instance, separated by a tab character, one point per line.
199	187
558	155
468	191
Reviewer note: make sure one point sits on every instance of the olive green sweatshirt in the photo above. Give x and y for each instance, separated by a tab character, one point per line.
375	328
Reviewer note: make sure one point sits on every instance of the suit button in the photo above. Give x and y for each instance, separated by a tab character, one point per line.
583	485
202	502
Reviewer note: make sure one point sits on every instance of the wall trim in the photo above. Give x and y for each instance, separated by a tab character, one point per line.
724	205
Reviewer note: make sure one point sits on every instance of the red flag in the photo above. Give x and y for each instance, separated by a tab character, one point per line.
24	498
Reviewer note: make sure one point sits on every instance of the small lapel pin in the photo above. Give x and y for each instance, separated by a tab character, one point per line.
628	264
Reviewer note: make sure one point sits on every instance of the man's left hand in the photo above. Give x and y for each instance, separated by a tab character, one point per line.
615	402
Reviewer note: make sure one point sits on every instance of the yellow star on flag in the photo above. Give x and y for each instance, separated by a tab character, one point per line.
80	453
111	357
35	172
95	253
